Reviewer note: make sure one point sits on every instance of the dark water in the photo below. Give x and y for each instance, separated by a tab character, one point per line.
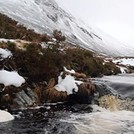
37	121
63	121
123	84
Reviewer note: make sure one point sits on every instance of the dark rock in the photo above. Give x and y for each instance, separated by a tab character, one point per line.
25	98
31	94
85	94
82	107
18	102
1	87
102	89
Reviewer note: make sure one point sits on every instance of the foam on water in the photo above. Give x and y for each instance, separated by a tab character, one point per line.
103	121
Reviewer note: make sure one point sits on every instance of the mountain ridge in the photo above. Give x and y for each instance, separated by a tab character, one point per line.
45	15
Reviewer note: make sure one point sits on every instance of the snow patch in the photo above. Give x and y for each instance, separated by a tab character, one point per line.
6	40
5	116
5	53
68	84
123	70
11	78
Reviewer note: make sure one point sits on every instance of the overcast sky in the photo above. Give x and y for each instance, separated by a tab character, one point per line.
115	17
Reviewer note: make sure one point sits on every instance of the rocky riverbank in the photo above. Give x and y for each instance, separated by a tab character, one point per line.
33	73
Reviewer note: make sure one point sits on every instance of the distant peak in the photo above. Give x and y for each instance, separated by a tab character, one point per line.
47	2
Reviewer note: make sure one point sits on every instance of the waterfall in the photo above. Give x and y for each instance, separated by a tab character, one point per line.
115	113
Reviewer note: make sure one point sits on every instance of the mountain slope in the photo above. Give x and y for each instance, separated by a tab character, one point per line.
45	15
9	29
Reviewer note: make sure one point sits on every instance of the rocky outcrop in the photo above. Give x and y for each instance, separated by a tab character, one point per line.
72	87
25	98
18	97
84	95
82	92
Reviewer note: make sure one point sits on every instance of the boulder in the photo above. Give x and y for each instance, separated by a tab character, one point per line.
25	98
82	108
85	93
102	89
5	101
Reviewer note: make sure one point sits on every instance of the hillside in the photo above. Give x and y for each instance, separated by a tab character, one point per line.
10	29
45	15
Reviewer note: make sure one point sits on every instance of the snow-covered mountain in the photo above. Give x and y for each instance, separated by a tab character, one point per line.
45	15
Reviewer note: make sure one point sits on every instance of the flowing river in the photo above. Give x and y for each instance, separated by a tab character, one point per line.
115	115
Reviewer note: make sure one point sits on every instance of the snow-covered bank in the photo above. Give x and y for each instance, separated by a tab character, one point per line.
5	116
123	70
125	61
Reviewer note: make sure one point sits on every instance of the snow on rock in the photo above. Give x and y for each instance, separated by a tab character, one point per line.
5	116
11	78
69	71
5	53
125	61
68	84
123	70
